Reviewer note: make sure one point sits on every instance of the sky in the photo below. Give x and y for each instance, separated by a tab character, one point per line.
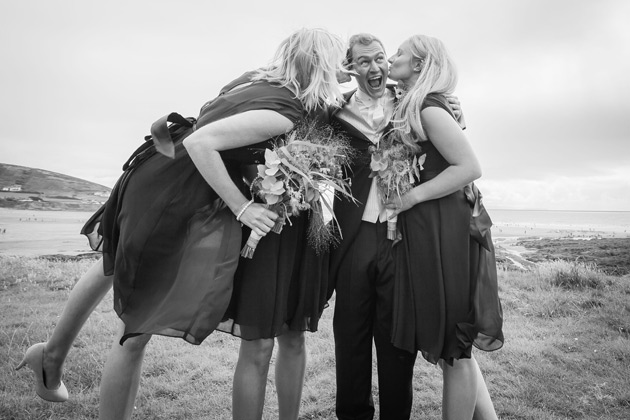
544	84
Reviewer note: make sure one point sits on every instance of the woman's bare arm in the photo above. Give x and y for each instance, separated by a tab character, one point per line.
449	139
232	132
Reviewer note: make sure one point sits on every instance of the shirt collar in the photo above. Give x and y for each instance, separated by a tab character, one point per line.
366	100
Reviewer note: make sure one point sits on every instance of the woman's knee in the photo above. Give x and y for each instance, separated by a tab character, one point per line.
461	367
292	342
136	344
257	351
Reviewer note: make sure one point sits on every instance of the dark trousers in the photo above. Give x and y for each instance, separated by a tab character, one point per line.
363	312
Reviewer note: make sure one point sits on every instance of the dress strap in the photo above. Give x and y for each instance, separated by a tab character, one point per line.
161	135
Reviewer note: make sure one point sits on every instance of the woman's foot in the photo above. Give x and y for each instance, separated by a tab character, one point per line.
34	358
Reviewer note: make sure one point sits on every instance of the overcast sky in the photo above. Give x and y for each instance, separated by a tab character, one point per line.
544	84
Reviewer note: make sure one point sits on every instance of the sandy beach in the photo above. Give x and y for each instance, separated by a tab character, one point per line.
28	232
33	233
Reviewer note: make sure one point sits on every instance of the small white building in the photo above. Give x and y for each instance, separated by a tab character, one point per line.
13	188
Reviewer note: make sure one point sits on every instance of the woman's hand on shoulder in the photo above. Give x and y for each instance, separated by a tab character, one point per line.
259	219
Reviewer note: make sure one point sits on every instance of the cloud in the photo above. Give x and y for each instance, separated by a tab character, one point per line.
605	192
543	84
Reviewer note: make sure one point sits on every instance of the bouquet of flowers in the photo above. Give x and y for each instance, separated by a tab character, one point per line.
396	169
296	173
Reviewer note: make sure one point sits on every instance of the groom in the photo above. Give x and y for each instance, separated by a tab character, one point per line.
362	270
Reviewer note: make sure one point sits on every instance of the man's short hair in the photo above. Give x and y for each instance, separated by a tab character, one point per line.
363	39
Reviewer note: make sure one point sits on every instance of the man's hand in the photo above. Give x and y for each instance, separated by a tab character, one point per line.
453	102
344	76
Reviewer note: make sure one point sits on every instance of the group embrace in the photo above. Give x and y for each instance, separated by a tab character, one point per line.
173	229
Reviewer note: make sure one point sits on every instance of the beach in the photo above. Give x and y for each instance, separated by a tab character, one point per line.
515	234
33	233
523	238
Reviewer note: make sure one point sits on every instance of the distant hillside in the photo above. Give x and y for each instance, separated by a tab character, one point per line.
37	189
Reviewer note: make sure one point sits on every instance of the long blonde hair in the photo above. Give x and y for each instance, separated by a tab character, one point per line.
437	75
307	63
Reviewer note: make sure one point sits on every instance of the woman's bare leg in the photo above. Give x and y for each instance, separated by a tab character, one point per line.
465	395
121	377
484	408
459	393
250	379
290	368
86	294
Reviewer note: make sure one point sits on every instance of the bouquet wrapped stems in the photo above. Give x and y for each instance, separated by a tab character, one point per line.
391	224
254	238
250	246
396	168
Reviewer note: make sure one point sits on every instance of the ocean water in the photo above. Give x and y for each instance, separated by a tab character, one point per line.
605	221
28	232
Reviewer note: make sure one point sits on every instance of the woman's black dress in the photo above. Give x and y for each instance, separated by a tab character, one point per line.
445	294
173	246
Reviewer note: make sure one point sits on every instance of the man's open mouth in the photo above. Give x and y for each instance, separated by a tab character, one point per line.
375	82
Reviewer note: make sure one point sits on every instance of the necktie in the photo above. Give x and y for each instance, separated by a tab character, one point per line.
378	115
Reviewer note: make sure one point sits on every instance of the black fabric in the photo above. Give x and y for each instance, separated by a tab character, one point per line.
361	274
363	312
168	239
446	293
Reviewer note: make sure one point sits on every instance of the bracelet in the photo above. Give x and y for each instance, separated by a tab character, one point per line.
242	210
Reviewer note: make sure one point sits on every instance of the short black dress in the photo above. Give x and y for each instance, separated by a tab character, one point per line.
445	293
173	245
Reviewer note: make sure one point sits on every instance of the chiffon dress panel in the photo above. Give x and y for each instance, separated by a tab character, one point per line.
445	293
282	288
170	241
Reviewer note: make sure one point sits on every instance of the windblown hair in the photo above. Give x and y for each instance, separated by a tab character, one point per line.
307	63
363	39
437	75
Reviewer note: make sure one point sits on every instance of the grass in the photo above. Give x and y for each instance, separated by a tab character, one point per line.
566	356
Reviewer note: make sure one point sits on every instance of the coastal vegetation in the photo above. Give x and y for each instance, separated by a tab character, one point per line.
612	255
566	356
37	189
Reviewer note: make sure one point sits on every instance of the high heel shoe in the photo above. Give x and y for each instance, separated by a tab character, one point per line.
34	358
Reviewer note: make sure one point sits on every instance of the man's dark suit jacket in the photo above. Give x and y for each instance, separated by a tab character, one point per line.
349	213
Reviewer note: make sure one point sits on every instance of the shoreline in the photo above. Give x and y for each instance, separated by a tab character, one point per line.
50	233
522	247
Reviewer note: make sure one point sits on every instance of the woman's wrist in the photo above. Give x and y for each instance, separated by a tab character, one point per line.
416	195
241	209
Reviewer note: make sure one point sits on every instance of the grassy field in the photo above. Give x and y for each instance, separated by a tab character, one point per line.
566	356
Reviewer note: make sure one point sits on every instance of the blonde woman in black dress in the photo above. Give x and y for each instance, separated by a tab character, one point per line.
445	294
172	241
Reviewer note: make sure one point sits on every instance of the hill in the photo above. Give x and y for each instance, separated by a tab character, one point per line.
38	189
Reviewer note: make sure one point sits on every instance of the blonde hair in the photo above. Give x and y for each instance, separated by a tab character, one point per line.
437	75
307	63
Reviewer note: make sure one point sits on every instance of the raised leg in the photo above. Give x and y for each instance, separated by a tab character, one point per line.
86	294
47	359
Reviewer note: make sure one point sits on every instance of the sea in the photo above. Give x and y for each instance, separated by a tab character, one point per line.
568	220
28	232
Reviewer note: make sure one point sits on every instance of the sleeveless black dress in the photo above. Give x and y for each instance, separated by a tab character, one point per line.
445	293
169	240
